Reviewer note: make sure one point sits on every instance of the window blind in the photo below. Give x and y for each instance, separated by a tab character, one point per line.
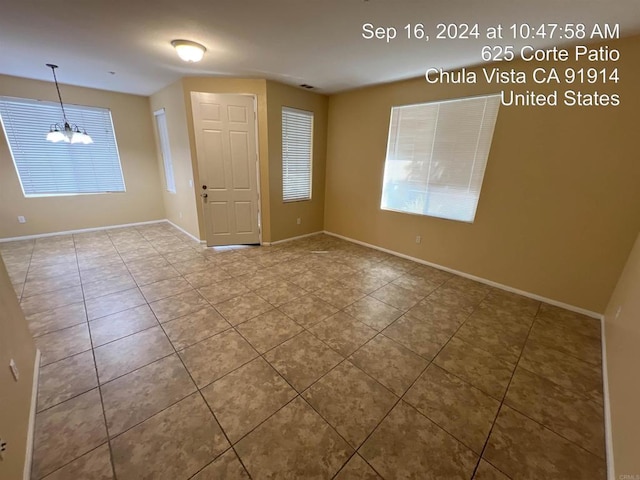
297	153
46	168
436	157
163	134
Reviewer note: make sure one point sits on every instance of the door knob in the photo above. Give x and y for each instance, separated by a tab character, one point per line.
204	195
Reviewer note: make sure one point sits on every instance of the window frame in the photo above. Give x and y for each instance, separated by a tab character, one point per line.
165	150
73	110
311	115
482	145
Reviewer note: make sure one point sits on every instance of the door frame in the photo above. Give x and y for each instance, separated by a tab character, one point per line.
258	158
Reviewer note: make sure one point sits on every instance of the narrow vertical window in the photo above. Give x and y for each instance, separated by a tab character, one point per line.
163	135
297	154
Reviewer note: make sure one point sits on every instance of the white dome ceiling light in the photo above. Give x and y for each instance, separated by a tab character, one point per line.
189	51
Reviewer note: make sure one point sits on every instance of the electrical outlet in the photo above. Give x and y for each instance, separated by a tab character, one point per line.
14	369
191	183
418	238
21	219
618	312
299	221
180	214
3	448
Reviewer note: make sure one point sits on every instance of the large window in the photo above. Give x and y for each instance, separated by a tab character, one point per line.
46	168
436	157
297	153
163	134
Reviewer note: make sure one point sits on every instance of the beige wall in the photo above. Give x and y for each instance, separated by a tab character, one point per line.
134	134
311	213
257	87
560	203
622	333
15	397
180	207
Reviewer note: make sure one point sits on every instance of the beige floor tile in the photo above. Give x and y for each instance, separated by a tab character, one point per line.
66	432
294	443
165	288
175	443
446	315
226	466
478	367
357	469
192	265
154	274
351	401
450	296
65	379
121	324
393	365
95	274
95	465
216	356
564	370
566	340
373	312
129	353
486	471
39	286
408	445
50	271
260	278
202	278
280	292
108	285
194	327
268	330
56	319
511	302
571	321
501	338
134	397
417	284
424	337
178	305
60	344
114	303
308	310
223	291
522	448
570	415
397	297
243	307
302	360
310	281
343	333
339	295
246	397
52	300
456	406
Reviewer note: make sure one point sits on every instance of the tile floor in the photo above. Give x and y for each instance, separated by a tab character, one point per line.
313	359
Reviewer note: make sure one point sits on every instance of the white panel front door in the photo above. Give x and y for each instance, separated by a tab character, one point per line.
225	132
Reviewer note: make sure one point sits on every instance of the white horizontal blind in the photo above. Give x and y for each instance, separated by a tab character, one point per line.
297	148
46	168
163	134
436	157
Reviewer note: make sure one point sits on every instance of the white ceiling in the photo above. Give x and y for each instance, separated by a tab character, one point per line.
317	42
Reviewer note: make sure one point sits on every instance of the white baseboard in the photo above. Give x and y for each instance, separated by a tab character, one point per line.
491	283
290	239
608	434
28	459
184	231
82	230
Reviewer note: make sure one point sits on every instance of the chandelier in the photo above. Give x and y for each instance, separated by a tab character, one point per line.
68	133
